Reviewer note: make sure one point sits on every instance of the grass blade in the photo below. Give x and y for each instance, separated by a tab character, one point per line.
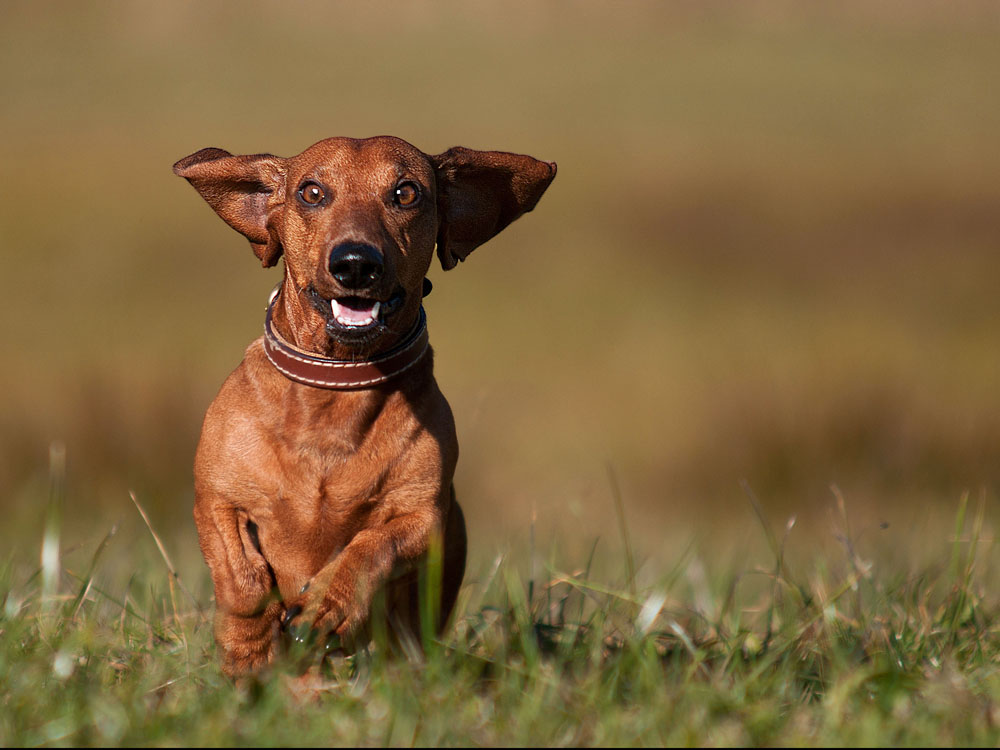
166	559
623	527
50	557
88	579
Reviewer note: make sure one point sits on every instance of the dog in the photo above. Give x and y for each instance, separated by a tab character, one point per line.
323	475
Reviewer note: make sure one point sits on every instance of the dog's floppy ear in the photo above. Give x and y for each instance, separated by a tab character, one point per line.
243	190
480	193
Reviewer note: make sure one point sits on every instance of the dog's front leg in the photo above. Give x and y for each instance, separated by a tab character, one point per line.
248	611
338	598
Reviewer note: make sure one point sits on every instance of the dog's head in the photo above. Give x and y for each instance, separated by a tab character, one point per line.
357	222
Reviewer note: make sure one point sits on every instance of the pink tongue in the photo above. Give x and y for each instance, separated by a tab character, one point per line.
353	313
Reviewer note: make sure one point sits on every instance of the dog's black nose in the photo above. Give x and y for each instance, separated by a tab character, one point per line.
355	265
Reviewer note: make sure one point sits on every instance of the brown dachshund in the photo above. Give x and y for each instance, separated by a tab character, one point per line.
324	470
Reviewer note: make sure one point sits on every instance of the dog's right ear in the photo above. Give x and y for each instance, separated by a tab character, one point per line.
243	190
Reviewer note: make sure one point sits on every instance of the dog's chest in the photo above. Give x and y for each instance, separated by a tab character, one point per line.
338	473
333	483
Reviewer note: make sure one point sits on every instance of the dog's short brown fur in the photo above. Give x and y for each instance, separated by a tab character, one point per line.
309	500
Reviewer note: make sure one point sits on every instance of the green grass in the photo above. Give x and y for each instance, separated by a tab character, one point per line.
836	651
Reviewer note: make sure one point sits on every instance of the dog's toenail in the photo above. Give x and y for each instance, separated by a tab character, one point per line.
291	614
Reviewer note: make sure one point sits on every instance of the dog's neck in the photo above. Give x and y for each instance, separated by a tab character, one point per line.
337	373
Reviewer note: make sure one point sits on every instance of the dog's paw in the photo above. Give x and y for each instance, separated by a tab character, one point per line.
308	618
244	664
331	613
247	643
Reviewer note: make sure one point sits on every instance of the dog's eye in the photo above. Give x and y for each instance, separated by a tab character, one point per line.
311	194
406	194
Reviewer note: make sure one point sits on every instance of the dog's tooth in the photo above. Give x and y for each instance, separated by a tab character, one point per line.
375	309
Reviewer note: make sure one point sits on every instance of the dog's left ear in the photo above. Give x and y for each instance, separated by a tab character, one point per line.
480	193
243	190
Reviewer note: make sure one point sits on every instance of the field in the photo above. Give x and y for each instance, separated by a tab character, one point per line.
728	400
843	654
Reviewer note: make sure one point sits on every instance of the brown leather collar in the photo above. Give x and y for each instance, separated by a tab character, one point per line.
338	374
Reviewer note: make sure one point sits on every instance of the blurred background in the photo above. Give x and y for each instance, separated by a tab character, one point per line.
770	254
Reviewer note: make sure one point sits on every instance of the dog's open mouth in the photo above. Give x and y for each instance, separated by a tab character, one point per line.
355	312
356	320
